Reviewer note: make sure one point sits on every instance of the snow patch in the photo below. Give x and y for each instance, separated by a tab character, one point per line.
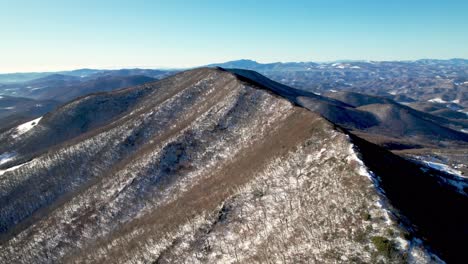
11	169
6	157
455	178
444	168
437	100
23	128
340	65
417	254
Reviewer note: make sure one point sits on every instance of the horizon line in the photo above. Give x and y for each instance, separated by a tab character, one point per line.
154	67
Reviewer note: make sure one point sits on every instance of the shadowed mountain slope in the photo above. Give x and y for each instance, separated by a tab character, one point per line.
450	111
207	166
72	89
10	105
17	110
358	99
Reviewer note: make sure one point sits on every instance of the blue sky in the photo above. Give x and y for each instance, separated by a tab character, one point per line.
54	35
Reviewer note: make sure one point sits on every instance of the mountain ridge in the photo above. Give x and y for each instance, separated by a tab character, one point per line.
201	145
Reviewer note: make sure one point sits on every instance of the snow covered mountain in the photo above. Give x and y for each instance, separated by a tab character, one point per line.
217	166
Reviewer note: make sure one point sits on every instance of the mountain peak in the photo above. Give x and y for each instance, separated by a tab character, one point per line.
209	165
242	63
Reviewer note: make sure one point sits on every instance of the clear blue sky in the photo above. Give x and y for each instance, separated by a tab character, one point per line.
54	35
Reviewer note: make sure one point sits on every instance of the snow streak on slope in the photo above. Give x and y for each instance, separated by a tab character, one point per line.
448	175
438	100
10	169
444	168
23	128
6	157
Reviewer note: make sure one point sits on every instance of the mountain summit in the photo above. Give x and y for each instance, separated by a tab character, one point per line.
215	166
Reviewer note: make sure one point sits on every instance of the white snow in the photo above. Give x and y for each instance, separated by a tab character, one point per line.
457	101
1	97
355	67
458	180
5	157
437	100
11	169
17	166
464	131
339	65
333	91
363	171
23	128
443	167
417	254
8	108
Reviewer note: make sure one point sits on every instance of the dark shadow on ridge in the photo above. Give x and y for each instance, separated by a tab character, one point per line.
436	213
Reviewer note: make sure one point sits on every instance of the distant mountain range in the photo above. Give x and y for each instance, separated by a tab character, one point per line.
8	78
439	88
421	80
372	115
58	88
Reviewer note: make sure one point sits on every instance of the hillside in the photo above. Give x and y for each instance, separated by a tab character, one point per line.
17	110
17	105
383	120
64	88
210	166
